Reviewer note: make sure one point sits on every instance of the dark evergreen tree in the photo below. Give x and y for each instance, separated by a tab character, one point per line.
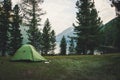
117	37
110	39
116	4
39	40
46	37
1	24
52	41
71	46
5	22
87	28
32	13
31	10
63	46
15	32
95	30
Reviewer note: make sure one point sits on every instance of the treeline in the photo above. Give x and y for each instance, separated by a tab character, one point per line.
10	36
90	33
29	13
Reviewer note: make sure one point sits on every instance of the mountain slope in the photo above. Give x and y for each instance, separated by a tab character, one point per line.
68	32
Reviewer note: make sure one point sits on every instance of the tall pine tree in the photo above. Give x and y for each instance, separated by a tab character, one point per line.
39	41
87	28
1	24
52	41
71	46
46	37
63	46
116	42
5	22
32	13
15	32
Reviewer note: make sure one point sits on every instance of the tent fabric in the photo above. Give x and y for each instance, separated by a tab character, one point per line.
27	53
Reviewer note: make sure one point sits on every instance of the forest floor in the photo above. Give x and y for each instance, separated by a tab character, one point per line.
76	67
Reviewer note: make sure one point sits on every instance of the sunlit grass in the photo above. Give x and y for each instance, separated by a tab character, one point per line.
76	67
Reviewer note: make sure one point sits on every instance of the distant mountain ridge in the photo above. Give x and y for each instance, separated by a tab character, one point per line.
68	32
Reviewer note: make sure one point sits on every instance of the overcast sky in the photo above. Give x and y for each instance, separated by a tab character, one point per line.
62	13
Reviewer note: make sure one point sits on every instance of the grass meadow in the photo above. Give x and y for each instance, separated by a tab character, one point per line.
73	67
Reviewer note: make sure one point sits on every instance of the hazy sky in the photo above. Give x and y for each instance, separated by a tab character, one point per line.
62	13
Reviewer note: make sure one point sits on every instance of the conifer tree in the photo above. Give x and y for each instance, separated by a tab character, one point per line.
87	28
5	22
32	13
116	42
15	32
63	46
1	24
39	41
71	45
52	41
46	37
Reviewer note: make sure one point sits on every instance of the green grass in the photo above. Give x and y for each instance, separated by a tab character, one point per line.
103	67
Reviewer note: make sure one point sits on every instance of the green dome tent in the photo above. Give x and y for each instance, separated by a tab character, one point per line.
27	53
